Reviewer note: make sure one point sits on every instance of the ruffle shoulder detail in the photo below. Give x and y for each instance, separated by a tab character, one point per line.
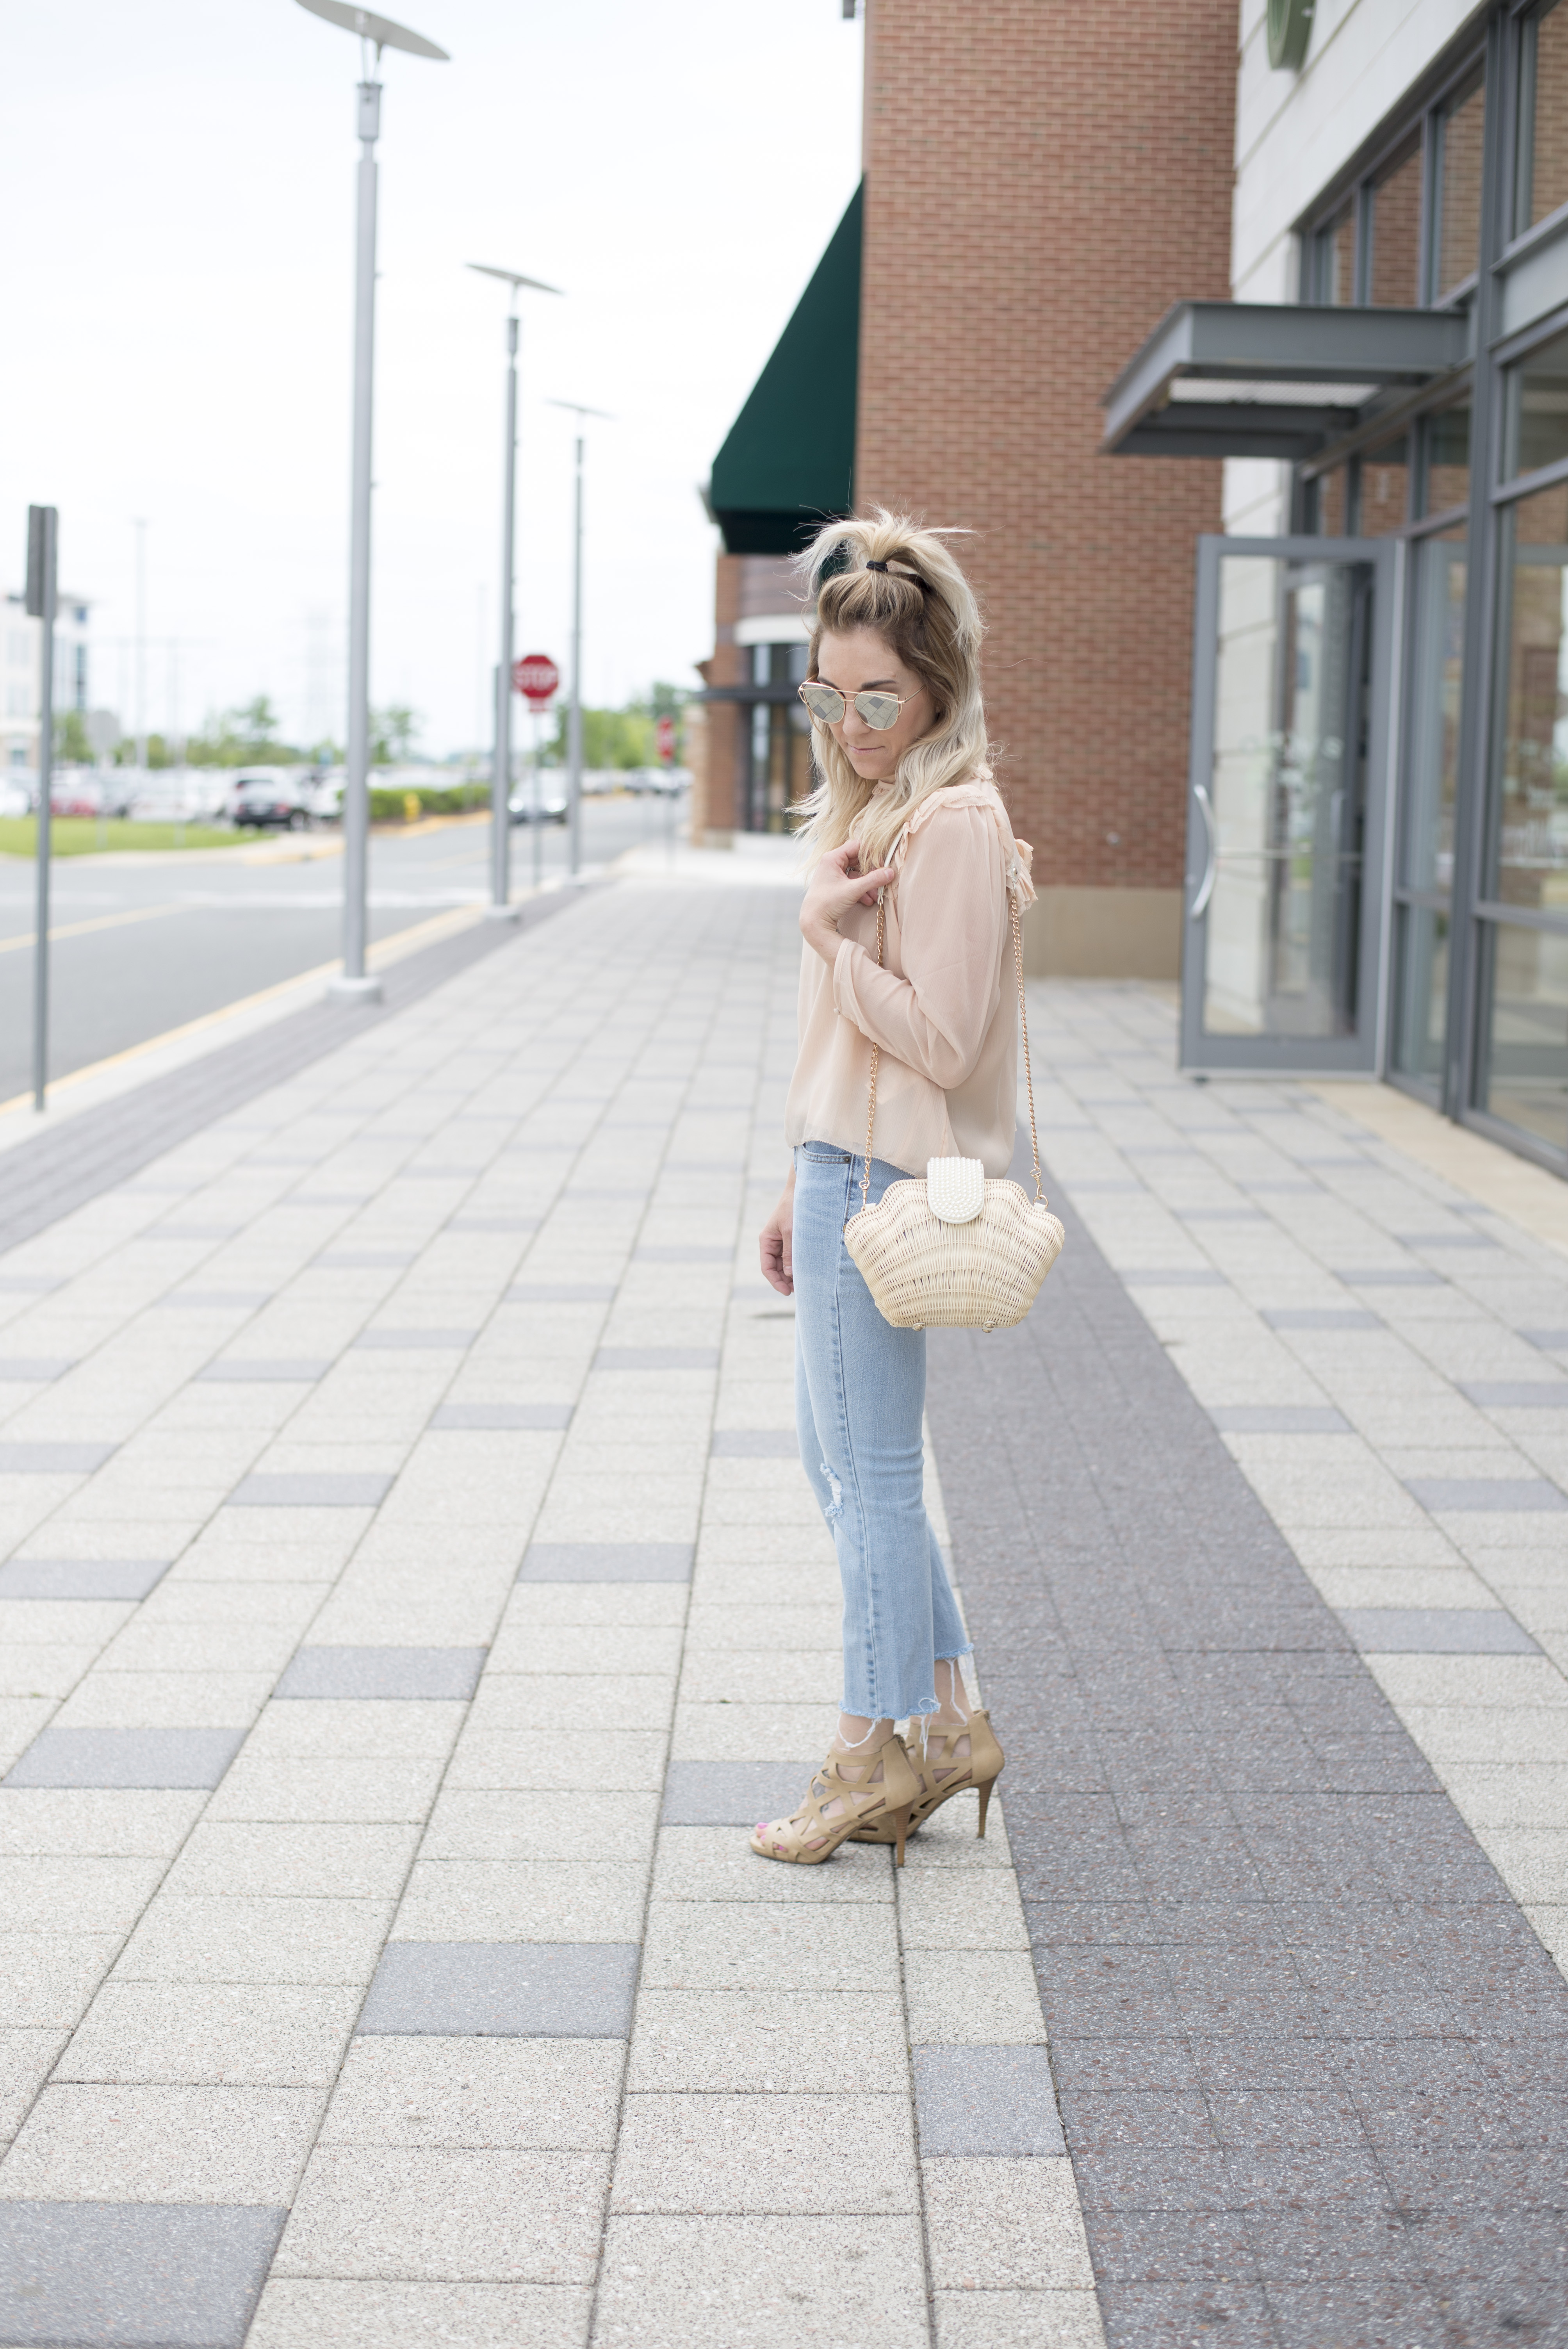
1017	856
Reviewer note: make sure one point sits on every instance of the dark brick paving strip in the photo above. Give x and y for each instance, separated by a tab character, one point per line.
1312	2061
65	1167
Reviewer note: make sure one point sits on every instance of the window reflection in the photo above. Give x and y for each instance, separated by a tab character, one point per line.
1458	188
1543	115
1448	460
1420	1011
1537	413
1530	810
1524	1046
1431	787
1286	796
1385	501
1397	229
1336	259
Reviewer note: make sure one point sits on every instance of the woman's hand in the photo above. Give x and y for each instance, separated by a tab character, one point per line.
774	1242
835	885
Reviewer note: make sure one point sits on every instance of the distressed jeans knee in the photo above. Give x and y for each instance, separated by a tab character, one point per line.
859	1391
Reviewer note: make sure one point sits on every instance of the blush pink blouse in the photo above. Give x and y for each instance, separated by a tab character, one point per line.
943	1007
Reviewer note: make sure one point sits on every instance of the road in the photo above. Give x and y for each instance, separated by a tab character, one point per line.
142	945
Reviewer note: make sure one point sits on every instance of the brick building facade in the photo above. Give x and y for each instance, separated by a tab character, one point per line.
1041	181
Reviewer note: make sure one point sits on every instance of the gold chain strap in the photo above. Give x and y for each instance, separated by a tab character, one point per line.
1023	1022
876	1056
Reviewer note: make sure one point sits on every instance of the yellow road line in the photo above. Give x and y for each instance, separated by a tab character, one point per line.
100	922
387	950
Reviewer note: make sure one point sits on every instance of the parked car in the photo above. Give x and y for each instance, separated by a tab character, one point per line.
271	796
552	808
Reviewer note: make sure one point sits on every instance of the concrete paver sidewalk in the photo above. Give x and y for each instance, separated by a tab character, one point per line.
408	1595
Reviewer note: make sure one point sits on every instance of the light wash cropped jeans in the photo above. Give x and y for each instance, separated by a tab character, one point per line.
859	1396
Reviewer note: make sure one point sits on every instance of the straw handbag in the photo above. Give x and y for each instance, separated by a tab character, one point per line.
958	1251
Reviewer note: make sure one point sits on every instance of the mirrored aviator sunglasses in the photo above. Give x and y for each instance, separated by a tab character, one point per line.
826	703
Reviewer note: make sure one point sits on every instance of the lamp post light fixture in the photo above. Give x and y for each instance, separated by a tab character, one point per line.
500	908
376	33
574	707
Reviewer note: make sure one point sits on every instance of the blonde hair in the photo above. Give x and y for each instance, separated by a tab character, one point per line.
923	609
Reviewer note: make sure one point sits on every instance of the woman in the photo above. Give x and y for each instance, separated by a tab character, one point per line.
906	807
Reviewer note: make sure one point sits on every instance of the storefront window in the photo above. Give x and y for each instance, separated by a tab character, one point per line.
1431	790
1543	115
780	747
1425	869
1385	500
1537	411
1286	799
1396	231
1463	129
1529	849
1447	459
1524	1055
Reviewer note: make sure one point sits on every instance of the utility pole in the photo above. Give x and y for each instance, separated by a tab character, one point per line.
574	707
43	571
375	34
139	680
500	908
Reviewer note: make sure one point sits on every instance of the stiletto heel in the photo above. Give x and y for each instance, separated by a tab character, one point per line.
900	1824
943	1774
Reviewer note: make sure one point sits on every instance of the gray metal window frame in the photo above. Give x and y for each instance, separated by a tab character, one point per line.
1362	1054
1473	918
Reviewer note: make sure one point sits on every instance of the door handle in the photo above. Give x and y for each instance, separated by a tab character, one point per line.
1212	869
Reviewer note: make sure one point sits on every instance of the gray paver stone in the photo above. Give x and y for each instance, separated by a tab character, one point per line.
540	1990
992	2100
317	1672
132	2275
127	1757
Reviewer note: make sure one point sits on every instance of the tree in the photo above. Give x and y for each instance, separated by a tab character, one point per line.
243	737
72	748
393	731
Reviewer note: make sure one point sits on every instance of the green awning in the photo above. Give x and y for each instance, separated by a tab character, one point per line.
789	462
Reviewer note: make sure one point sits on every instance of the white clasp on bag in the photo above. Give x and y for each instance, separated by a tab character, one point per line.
956	1188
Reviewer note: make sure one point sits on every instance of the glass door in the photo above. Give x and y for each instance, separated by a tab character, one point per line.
1284	896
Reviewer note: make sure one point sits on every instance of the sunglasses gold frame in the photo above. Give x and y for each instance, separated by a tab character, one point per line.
815	685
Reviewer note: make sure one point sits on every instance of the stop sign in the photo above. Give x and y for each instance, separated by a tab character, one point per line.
535	677
667	738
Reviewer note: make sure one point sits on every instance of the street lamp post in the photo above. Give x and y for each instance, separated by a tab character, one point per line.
43	539
574	707
378	33
500	907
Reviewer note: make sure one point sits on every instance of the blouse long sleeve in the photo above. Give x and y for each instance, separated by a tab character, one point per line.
952	911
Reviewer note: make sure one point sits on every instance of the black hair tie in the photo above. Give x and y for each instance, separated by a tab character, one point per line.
913	577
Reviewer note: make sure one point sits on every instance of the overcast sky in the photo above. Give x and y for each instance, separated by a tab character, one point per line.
177	189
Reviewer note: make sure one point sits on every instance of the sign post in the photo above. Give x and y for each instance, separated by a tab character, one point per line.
666	733
536	677
43	542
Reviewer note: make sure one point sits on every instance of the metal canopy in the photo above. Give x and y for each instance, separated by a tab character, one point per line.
1269	378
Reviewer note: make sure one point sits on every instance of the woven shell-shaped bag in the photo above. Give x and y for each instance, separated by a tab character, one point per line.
959	1251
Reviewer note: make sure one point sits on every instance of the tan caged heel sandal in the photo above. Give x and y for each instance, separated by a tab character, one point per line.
808	1837
943	1774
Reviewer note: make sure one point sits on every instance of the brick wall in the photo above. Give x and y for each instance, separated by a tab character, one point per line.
1043	179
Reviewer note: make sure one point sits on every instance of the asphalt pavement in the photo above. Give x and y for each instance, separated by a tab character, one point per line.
142	944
